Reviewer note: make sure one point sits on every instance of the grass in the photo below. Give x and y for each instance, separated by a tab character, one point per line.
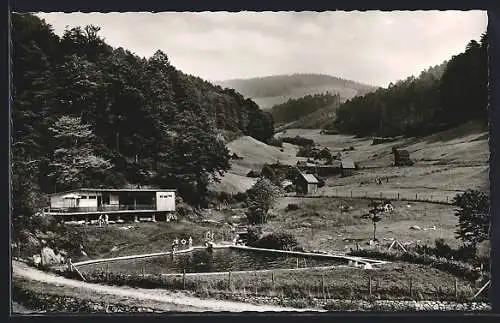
144	237
319	224
391	282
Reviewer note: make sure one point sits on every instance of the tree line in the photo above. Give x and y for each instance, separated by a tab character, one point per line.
440	98
87	114
294	109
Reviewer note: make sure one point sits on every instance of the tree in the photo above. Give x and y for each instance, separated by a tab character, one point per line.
377	208
261	197
473	212
74	160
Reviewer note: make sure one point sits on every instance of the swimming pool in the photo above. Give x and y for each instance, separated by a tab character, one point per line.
219	260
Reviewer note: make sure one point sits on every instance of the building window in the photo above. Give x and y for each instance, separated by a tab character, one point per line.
92	197
83	197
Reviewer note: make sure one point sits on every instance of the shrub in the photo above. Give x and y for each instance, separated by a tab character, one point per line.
298	140
292	207
253	174
240	197
254	233
276	142
277	241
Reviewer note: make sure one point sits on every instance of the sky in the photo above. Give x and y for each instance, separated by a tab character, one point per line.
371	47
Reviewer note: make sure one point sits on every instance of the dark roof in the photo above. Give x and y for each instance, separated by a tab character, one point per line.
347	163
310	178
401	152
116	190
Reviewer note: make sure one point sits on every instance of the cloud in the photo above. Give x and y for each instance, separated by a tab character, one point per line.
374	47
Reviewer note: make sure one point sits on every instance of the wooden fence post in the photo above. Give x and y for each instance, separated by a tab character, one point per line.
297	262
143	272
184	279
107	271
416	196
398	195
411	288
456	288
272	279
229	280
323	285
351	194
380	194
370	285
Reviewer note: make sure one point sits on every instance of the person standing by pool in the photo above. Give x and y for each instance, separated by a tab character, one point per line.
190	242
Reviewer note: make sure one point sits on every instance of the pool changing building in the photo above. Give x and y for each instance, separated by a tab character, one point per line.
126	204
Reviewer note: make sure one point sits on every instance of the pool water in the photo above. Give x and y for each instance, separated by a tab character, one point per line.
219	260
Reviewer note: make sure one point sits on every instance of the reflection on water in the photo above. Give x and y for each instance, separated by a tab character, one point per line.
219	260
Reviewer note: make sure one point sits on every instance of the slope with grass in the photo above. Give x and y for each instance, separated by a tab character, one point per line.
254	155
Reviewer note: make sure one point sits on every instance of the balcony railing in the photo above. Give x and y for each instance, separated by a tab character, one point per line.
104	208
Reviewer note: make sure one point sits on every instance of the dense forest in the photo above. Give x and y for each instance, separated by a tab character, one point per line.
439	98
295	109
87	114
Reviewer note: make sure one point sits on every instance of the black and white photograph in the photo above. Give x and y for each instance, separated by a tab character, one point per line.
333	161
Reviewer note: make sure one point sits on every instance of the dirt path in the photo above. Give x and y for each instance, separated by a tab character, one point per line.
159	297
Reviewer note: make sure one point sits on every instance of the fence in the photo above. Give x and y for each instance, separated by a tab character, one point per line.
318	286
441	197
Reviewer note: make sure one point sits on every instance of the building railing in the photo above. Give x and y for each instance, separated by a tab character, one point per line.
103	208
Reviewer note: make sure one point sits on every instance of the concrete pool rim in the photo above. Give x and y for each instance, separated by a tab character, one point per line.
355	260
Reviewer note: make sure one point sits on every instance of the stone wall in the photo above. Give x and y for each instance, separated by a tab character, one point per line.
48	303
359	305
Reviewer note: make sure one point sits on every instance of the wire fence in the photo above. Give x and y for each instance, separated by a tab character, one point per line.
440	197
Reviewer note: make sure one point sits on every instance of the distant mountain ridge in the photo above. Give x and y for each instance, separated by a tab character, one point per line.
269	91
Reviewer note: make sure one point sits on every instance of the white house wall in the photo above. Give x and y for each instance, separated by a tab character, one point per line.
165	201
56	201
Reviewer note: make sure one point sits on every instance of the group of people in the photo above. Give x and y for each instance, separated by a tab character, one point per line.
103	220
378	180
175	243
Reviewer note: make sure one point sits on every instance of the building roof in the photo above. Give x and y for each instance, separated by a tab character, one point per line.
310	178
347	163
116	190
402	152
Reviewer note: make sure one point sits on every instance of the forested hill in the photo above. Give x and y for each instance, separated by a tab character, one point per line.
87	114
295	109
273	90
441	97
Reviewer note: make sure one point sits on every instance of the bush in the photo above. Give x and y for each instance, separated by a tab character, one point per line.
253	174
240	197
276	142
298	140
277	241
254	233
292	207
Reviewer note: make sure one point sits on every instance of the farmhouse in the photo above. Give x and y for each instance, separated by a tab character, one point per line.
306	184
347	166
116	203
401	157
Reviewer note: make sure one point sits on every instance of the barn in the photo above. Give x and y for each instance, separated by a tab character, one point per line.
401	157
306	184
347	166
